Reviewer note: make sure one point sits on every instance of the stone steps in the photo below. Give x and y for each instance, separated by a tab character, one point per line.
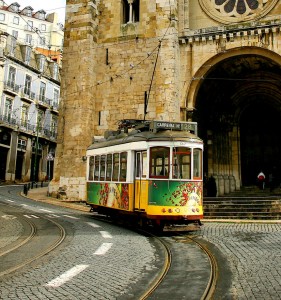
248	206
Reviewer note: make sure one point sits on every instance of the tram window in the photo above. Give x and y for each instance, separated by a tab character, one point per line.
115	167
102	167
197	164
97	168
159	162
123	165
181	163
108	167
138	164
91	167
141	164
144	164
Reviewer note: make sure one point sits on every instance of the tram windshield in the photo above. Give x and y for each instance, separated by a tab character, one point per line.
182	163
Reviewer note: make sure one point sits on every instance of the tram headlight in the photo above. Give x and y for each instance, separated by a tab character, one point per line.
163	210
170	210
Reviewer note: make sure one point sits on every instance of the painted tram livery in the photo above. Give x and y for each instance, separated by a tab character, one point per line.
148	172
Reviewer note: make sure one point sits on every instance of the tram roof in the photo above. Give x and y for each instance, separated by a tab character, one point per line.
147	136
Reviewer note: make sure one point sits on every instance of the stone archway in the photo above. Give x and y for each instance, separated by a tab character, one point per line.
238	110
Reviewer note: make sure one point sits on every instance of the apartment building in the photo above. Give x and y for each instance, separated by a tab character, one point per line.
30	58
34	28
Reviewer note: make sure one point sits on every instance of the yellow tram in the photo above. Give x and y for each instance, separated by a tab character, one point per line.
148	172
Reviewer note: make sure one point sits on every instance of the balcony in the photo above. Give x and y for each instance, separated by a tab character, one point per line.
26	94
11	88
43	100
27	128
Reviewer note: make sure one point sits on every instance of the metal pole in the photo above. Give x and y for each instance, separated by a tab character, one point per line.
36	149
49	173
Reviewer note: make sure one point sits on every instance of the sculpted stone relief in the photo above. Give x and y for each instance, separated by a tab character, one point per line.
231	11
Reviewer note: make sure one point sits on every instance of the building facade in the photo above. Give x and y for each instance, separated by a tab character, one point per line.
35	28
214	62
30	55
30	91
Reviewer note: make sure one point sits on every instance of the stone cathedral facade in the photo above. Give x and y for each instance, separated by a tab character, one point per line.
215	62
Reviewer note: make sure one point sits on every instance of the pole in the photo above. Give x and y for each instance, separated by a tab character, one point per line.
49	171
36	149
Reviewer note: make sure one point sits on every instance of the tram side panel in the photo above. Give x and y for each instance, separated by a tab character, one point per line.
111	195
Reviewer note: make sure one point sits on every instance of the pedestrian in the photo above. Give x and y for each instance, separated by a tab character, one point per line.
261	180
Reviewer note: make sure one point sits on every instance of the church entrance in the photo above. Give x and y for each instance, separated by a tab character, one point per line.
239	117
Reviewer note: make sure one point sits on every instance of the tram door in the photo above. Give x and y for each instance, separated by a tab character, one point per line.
141	183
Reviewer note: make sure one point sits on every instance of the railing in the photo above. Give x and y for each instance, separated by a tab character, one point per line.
31	129
11	86
232	28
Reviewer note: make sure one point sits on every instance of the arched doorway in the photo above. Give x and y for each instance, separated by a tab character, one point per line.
260	142
238	110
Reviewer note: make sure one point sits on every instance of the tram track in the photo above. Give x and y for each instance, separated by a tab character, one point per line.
43	236
154	290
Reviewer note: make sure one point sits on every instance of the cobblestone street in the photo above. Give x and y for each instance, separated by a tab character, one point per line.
253	253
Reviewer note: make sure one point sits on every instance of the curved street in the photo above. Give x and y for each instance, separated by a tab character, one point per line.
99	260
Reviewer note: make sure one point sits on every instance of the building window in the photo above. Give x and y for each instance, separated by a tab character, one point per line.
54	124
2	17
40	119
8	109
131	11
27	85
38	146
30	25
56	98
42	41
28	39
42	91
27	55
28	12
15	34
24	115
14	7
21	144
55	71
42	64
43	27
13	46
16	20
12	77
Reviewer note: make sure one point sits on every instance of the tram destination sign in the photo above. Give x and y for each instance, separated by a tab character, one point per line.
178	126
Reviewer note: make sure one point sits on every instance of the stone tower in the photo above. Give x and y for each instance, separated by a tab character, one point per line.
112	58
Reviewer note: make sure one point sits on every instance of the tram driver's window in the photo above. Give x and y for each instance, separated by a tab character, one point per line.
91	167
159	162
97	168
181	163
123	166
197	164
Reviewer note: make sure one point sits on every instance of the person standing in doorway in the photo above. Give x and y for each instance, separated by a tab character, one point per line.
261	180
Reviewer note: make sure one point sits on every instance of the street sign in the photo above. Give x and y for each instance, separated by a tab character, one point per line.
50	157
